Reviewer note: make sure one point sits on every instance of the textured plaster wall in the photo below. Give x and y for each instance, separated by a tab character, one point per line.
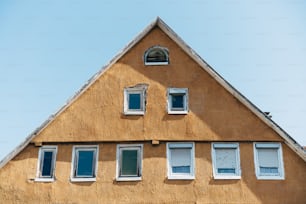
17	185
97	115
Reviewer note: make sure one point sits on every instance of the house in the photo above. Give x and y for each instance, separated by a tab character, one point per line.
156	125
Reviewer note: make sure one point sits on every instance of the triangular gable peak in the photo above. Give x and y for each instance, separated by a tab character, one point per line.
190	52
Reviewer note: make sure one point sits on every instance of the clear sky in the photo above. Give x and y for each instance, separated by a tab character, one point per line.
49	49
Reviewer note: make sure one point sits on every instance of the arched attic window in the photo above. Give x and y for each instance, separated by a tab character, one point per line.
156	56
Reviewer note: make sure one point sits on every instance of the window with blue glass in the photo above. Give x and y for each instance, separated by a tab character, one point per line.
46	163
177	100
84	163
268	161
129	162
134	100
180	158
226	160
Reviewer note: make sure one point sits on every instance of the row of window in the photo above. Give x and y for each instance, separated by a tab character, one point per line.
134	100
180	161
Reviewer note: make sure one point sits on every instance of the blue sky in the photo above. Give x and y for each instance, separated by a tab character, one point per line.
49	49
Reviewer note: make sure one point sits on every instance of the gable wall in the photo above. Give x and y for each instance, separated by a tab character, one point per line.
96	116
214	114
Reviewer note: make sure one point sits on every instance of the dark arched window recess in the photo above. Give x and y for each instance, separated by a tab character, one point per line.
156	56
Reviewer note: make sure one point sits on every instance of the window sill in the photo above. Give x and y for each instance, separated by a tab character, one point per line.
177	112
82	179
270	178
134	113
128	179
156	63
224	177
185	177
44	179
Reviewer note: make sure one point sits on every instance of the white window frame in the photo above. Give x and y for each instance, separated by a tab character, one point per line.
42	150
120	147
235	146
164	50
269	176
181	176
173	91
76	148
135	90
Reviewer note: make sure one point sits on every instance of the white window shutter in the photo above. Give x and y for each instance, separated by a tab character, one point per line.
268	157
180	157
226	158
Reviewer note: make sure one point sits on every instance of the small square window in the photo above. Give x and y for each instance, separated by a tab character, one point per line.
46	164
226	161
180	158
177	100
84	163
129	162
268	161
134	100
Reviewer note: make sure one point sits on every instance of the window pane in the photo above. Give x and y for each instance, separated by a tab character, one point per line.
177	101
226	171
268	170
180	160
135	101
181	169
156	56
85	164
47	164
129	163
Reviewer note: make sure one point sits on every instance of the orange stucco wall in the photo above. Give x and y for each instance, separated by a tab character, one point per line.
17	185
96	117
214	114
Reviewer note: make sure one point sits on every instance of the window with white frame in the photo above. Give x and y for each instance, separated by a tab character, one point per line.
156	56
46	163
129	162
84	163
177	100
268	161
226	161
180	158
134	100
